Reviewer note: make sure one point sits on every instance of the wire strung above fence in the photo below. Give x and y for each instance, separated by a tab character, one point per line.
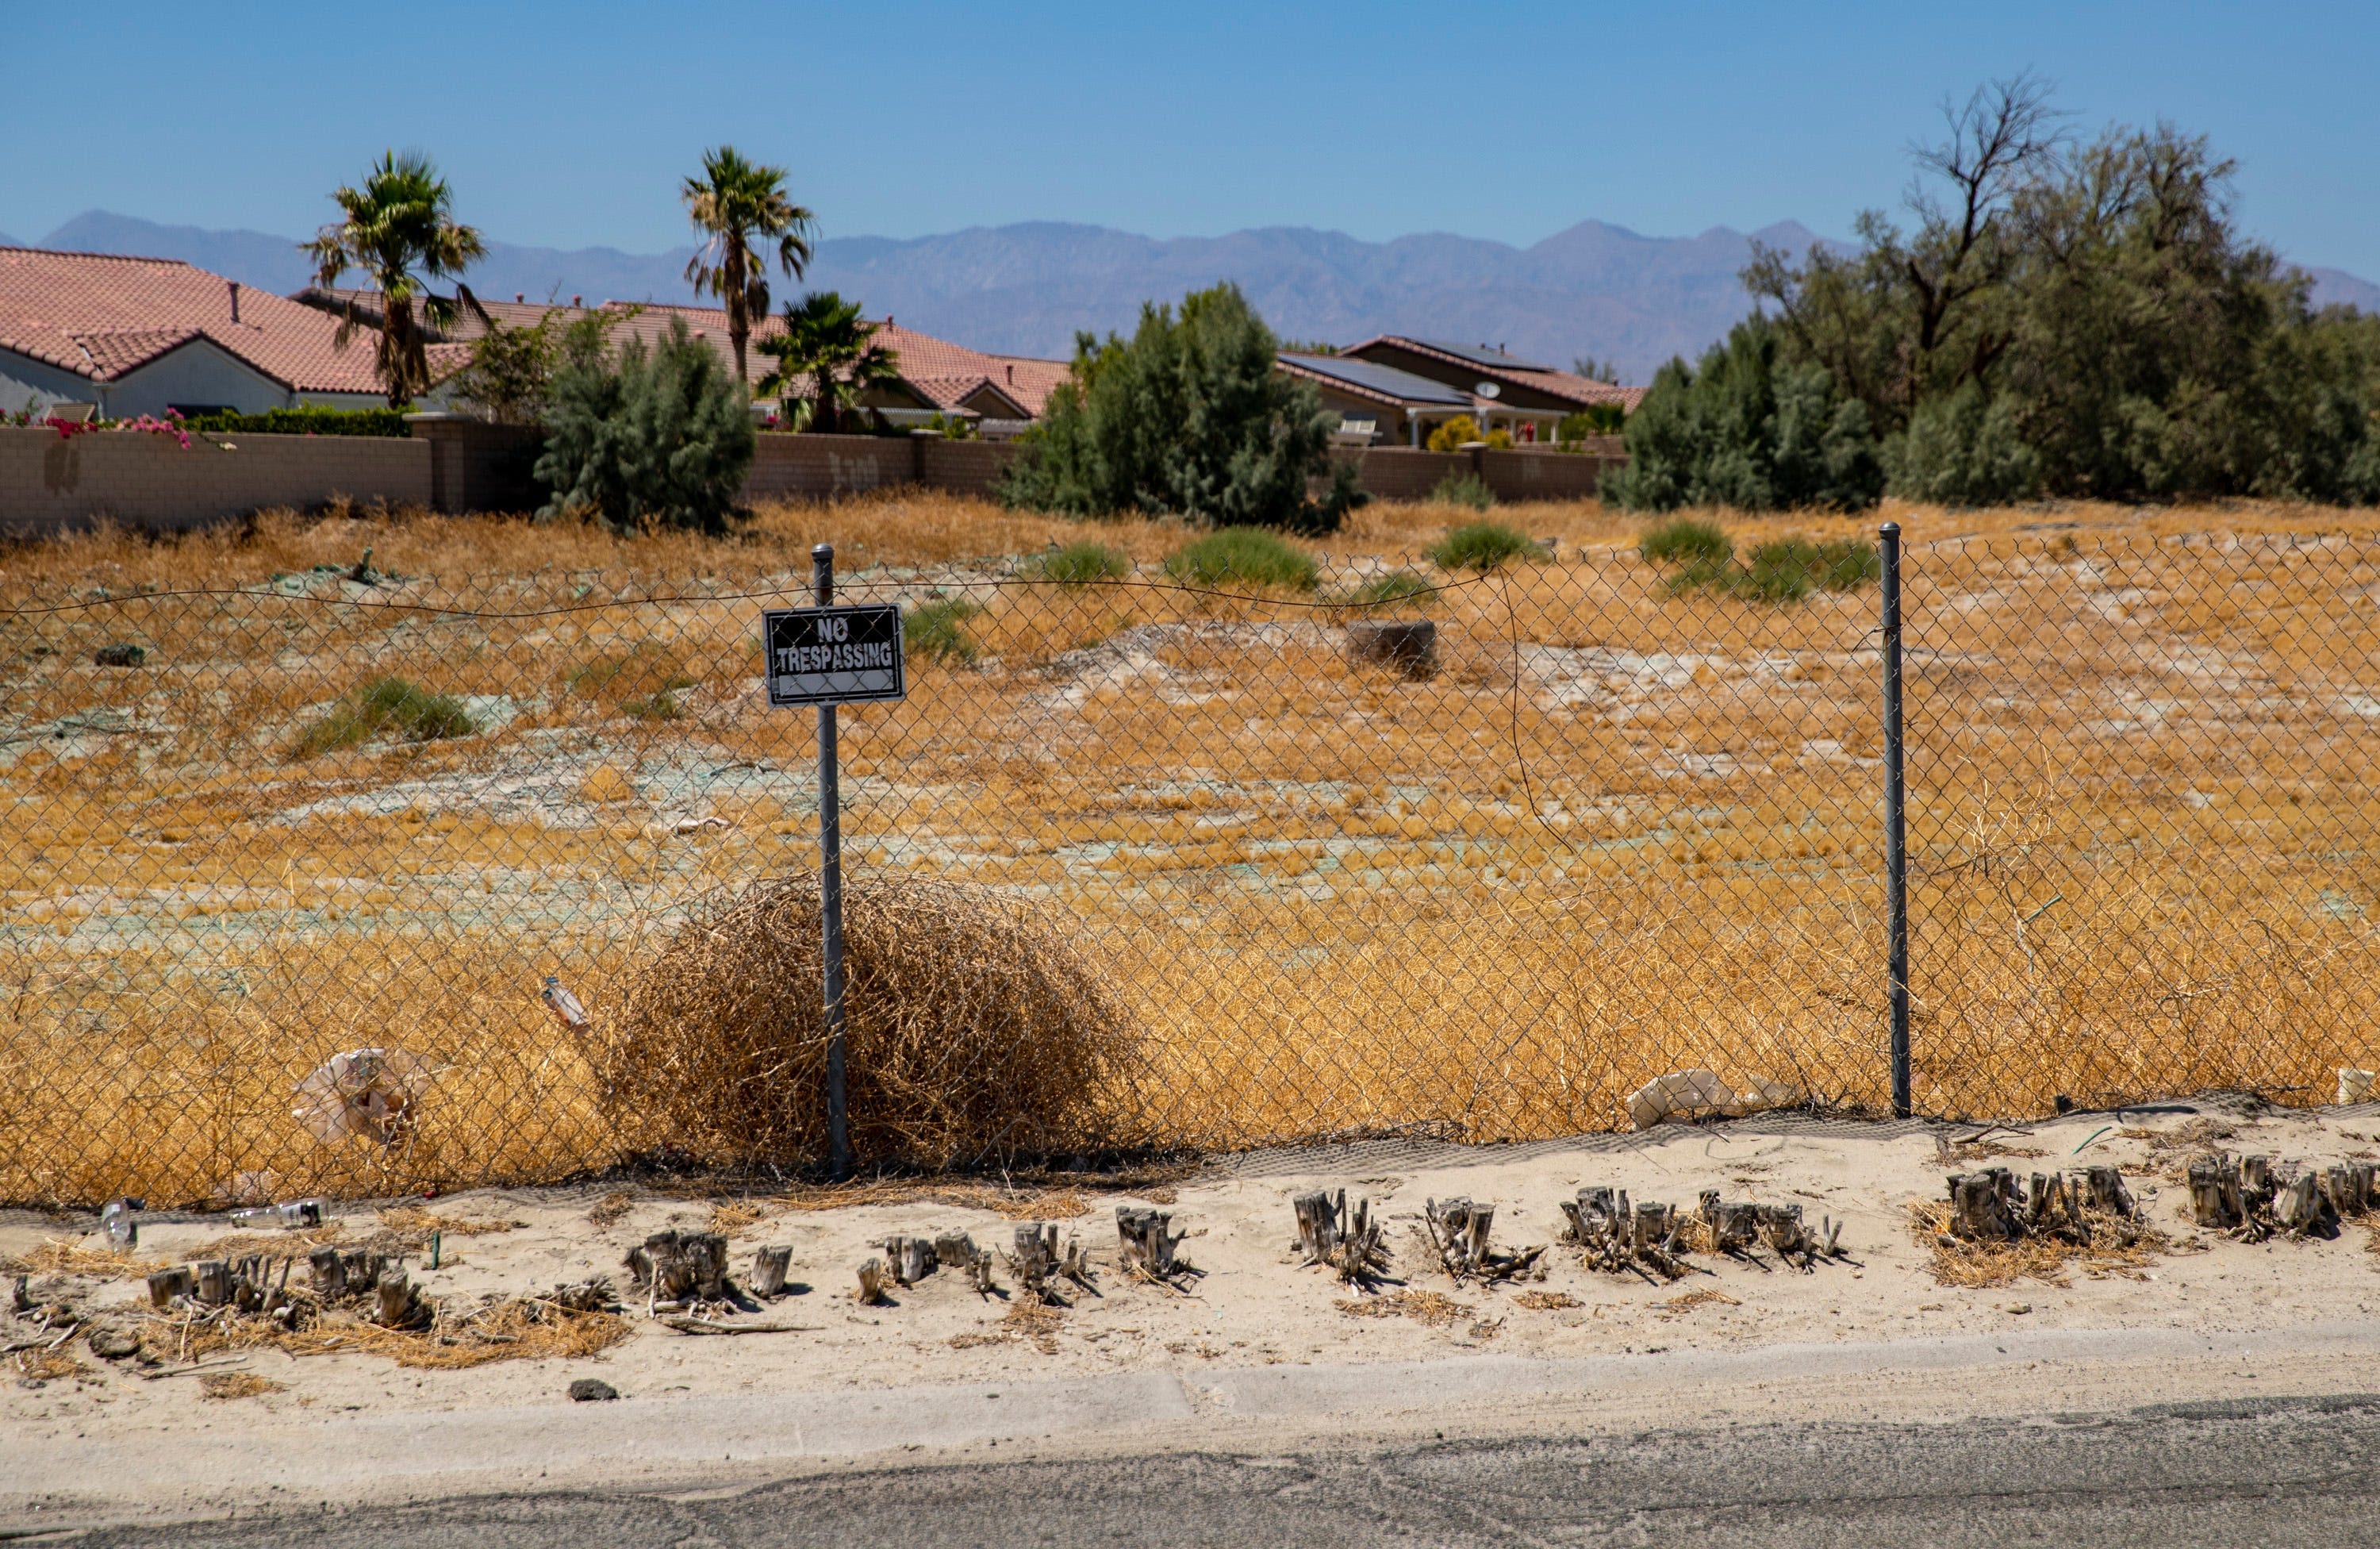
1481	855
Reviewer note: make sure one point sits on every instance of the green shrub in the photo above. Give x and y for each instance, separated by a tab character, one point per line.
1188	416
308	420
660	705
385	708
1963	450
937	631
1391	587
1683	540
1079	563
1482	546
1451	436
644	681
1783	571
1747	430
1600	419
664	439
1242	555
1462	487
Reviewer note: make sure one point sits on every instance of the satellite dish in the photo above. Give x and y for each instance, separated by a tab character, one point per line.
1488	390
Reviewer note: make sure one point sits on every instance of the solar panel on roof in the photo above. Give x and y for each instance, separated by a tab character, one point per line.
1480	354
1378	378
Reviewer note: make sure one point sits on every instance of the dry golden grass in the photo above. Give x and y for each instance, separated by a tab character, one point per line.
66	1255
1620	831
415	1226
1028	1203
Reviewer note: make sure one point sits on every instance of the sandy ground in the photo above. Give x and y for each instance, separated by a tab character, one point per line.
1255	1308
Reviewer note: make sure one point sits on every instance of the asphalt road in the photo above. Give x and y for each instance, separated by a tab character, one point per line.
2265	1473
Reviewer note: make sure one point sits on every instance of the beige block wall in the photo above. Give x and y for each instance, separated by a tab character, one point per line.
49	483
821	467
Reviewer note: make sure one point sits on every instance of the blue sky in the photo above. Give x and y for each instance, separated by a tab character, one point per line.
570	124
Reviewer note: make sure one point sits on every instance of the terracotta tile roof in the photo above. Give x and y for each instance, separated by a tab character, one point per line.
1029	379
1585	390
335	299
99	315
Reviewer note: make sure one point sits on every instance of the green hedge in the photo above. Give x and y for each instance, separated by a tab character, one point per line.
309	421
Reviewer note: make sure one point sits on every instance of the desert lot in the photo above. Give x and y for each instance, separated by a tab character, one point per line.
1621	829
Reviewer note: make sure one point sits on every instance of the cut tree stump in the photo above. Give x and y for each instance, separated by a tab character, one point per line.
1460	1229
1407	647
1984	1205
911	1258
2103	1190
393	1300
769	1267
958	1249
1355	1246
2214	1200
1148	1245
679	1266
1731	1228
874	1276
2299	1205
167	1283
213	1281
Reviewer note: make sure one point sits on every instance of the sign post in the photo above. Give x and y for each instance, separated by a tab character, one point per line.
826	656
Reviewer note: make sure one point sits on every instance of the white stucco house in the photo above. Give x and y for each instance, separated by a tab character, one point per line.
140	336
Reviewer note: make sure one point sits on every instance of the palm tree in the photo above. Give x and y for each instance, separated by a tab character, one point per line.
401	221
828	343
738	206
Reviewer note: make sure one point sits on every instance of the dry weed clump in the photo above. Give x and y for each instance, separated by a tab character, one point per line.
973	1029
415	1226
507	1328
735	1217
1027	1321
46	1366
1984	1265
1435	1309
499	1328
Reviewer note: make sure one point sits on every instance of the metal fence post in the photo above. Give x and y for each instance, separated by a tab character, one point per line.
1896	827
838	1134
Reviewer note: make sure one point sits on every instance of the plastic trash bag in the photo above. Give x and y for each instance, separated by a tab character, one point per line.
370	1092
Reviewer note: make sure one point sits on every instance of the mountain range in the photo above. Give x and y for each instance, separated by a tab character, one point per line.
1595	289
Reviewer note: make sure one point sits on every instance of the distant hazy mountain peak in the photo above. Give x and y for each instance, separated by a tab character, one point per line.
1593	288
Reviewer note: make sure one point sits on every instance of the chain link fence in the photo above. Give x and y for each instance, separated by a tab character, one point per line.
1625	819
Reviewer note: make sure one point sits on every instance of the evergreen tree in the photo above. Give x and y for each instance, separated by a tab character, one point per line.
1188	416
2084	318
661	436
1748	430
